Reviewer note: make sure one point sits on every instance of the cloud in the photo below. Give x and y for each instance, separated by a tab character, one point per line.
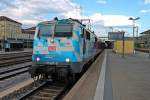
147	1
33	11
101	1
145	11
101	22
8	3
116	20
30	12
106	20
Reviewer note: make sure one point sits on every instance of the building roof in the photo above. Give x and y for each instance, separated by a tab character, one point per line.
146	32
4	18
29	30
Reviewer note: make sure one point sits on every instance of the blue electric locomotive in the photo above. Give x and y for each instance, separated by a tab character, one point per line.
62	47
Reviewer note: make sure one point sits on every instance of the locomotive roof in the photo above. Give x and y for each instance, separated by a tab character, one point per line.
62	21
67	21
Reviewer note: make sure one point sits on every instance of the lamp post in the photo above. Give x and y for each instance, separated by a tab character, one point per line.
2	37
149	45
137	32
133	23
111	28
123	43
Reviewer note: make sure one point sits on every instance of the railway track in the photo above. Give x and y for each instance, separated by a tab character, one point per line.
45	91
48	90
18	60
14	58
13	55
143	50
52	91
13	72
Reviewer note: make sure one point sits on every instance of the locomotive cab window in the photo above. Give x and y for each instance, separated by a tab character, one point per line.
63	30
45	31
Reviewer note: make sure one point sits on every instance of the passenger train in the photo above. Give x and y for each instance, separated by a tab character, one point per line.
62	47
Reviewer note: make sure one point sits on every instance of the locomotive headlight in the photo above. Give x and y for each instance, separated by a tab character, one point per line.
52	41
37	59
67	60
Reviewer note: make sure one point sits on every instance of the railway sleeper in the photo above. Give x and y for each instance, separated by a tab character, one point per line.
50	90
44	94
47	93
39	98
55	87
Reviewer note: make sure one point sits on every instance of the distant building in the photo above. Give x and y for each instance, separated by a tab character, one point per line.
12	37
9	27
144	39
103	38
29	30
30	33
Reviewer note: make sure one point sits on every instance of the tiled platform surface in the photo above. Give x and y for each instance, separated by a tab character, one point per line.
130	77
118	78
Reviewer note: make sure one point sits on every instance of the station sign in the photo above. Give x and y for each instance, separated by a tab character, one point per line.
115	35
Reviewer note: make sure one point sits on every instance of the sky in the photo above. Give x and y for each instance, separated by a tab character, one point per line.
102	13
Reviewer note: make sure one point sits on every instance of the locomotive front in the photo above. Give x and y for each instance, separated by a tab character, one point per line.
54	48
53	44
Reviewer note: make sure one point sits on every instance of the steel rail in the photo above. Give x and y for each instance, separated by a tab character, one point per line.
14	61
7	76
11	70
52	91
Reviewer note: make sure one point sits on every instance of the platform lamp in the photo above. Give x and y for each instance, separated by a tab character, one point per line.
133	24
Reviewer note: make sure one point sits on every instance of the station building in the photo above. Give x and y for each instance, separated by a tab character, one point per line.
9	27
11	35
29	32
144	39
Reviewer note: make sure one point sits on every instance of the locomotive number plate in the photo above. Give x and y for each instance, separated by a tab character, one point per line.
52	48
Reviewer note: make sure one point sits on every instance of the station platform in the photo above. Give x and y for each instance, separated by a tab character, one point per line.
130	77
113	77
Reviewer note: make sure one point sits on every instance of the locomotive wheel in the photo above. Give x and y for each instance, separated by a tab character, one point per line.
71	77
54	77
33	71
77	76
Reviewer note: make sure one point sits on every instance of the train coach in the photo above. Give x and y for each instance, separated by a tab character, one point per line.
61	48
